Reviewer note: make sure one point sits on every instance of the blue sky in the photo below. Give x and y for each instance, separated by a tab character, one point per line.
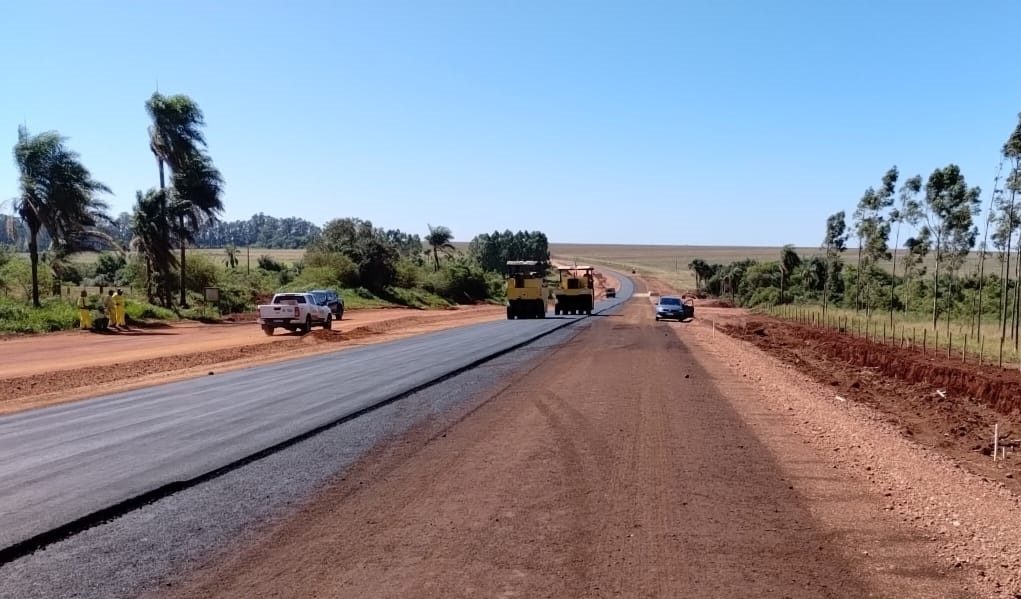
700	123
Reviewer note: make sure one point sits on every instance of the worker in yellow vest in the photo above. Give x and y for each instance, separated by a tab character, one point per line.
83	311
110	309
118	301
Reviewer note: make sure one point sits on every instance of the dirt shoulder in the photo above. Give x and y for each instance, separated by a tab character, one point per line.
48	369
634	461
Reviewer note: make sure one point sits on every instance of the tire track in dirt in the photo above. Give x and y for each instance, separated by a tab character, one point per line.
622	465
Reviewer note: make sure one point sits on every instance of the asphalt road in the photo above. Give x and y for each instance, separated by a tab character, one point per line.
63	466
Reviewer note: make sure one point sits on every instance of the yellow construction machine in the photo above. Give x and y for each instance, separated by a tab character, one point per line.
576	292
527	292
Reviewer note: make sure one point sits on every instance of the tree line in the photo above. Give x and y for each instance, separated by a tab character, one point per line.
61	209
939	220
260	231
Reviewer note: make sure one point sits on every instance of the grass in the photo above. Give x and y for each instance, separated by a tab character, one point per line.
910	329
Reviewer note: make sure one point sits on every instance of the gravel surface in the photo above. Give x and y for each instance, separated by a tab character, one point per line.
157	544
641	459
971	524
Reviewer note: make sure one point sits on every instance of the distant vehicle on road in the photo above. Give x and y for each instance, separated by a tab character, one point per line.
611	292
673	307
330	298
294	312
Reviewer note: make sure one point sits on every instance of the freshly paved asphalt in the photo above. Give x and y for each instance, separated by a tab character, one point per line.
66	464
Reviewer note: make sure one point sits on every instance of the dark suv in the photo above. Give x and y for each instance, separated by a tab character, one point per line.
328	297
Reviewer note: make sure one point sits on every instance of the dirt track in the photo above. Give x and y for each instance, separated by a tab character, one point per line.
640	460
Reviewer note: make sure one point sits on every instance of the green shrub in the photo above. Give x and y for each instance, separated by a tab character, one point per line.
269	264
343	270
54	315
200	272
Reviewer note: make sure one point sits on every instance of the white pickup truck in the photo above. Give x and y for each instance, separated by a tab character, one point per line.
294	312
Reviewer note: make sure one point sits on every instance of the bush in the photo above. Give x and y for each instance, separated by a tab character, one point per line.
54	315
342	270
269	264
200	272
463	280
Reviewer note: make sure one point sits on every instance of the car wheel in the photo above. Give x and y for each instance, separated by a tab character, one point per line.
267	329
340	313
308	324
328	323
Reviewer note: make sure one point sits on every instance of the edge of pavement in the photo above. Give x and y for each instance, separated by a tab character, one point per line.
80	524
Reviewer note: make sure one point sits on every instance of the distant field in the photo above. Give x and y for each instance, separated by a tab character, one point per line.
217	254
286	256
667	262
670	262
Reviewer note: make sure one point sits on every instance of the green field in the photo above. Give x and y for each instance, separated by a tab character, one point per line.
670	262
667	262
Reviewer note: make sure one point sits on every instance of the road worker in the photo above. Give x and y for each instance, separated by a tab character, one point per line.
118	301
84	318
110	309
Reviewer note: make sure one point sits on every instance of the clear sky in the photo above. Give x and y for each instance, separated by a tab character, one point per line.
712	122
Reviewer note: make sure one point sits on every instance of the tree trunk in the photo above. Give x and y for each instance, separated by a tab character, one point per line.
164	279
857	281
781	285
893	272
935	284
33	254
436	258
1017	300
184	297
1004	292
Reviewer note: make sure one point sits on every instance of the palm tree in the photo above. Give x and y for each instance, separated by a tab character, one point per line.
789	260
148	239
439	239
58	194
177	142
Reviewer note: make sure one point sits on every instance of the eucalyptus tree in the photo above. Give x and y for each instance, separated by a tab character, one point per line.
57	194
1012	152
984	247
177	142
950	206
909	211
834	244
873	232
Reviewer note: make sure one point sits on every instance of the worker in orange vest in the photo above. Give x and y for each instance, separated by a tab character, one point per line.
118	301
83	311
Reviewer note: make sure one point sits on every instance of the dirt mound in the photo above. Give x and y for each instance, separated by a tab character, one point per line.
716	303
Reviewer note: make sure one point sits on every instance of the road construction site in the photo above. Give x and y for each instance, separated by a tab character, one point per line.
572	456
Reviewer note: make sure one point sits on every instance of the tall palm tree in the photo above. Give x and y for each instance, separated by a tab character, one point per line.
439	239
58	194
789	260
177	142
147	228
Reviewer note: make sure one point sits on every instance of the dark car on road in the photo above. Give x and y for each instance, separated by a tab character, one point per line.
328	297
671	306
